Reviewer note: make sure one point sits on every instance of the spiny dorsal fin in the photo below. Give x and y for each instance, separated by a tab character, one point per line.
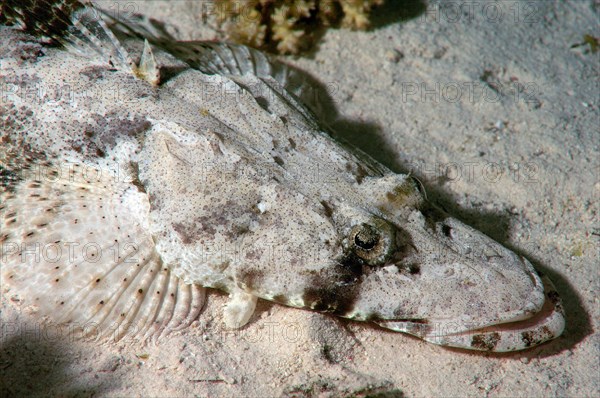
148	69
77	26
47	19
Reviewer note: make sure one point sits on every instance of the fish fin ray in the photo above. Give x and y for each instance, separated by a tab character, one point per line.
75	251
148	69
76	25
239	309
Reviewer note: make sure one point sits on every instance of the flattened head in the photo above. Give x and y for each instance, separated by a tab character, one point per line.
410	267
372	249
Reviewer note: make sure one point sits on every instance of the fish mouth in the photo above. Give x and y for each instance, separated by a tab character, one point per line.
534	324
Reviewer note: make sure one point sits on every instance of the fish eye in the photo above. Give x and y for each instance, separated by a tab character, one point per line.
366	237
372	242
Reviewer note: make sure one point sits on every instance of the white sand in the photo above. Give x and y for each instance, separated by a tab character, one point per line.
522	167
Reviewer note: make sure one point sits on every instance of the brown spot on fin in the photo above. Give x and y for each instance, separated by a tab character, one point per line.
88	263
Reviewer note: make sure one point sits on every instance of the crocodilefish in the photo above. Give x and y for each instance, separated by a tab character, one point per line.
129	185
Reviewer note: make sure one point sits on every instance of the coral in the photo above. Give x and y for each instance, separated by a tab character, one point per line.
355	12
285	26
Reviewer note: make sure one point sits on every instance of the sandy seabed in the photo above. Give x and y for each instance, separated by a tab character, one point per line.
494	106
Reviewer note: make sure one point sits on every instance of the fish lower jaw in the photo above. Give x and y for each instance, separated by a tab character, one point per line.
526	329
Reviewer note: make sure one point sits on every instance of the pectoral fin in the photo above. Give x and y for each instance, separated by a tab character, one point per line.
74	251
239	309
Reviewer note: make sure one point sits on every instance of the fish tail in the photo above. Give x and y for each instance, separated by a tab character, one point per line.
73	24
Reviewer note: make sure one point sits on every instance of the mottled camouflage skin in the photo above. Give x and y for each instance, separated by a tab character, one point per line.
219	177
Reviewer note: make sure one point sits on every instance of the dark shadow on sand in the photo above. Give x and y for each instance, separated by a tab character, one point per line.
35	364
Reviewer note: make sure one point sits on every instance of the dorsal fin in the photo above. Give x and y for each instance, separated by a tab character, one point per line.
148	69
77	26
219	58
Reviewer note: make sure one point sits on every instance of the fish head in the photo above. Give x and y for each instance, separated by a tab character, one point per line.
369	249
368	246
375	251
397	260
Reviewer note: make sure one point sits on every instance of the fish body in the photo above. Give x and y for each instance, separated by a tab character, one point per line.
124	194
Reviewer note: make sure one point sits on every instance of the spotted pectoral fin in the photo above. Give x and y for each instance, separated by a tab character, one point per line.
239	309
75	251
